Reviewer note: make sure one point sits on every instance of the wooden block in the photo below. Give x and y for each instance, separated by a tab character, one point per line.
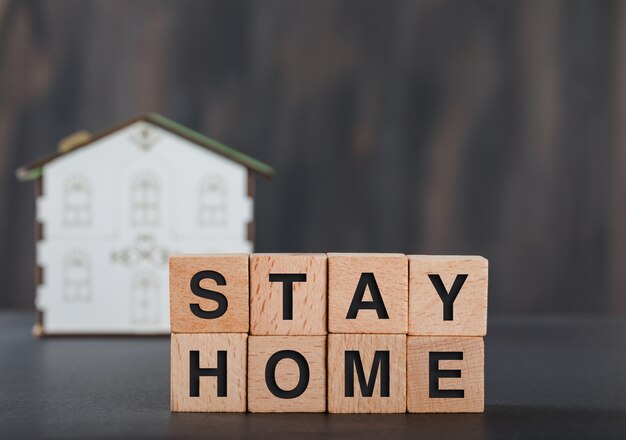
366	373
208	372
287	373
432	278
288	294
445	374
209	293
367	293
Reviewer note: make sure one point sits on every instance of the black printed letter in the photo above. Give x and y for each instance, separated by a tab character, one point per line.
435	373
288	279
367	280
195	372
270	374
353	361
222	301
448	298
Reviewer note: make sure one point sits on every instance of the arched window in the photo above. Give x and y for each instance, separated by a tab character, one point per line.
144	299
212	206
77	277
144	194
77	202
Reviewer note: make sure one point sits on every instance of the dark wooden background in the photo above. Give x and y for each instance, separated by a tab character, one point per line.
493	128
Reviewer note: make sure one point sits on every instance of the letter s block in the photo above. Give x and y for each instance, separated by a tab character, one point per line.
209	293
208	372
366	373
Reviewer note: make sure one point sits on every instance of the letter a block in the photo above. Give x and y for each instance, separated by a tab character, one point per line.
209	293
447	295
367	373
367	293
208	372
445	374
288	294
287	373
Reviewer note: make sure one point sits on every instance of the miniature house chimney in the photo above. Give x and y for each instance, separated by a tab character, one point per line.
74	140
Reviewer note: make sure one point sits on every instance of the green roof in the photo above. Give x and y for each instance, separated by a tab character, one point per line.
35	169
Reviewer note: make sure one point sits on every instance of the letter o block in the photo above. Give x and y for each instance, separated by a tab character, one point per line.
287	373
367	373
209	293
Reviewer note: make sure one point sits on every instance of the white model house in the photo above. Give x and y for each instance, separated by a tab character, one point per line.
112	207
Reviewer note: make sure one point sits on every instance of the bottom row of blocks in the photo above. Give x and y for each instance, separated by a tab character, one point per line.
341	373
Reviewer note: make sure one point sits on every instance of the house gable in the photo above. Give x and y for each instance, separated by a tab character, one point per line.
35	169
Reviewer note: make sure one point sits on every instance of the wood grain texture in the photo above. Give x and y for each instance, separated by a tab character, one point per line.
234	268
391	275
287	373
366	345
308	315
235	345
426	309
471	380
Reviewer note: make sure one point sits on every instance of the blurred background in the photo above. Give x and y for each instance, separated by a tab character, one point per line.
491	128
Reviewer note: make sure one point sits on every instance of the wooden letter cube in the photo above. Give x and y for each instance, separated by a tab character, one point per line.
445	374
447	295
209	293
367	293
366	373
287	373
208	372
288	294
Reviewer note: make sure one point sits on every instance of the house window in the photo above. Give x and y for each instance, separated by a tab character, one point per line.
144	299
77	202
77	277
144	193
212	204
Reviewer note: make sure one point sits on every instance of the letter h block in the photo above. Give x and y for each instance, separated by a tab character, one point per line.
209	321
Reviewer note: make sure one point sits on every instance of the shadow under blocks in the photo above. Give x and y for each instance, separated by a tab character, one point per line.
343	333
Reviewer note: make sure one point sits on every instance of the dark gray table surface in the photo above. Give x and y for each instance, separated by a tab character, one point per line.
547	377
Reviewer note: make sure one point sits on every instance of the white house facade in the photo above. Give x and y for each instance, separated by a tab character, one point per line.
111	213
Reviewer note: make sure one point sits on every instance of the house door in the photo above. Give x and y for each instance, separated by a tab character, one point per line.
144	225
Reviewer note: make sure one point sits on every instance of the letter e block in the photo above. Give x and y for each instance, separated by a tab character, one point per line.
209	293
288	294
445	374
366	373
208	372
287	373
367	293
447	295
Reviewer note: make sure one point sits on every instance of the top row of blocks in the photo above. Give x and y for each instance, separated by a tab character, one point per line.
316	294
